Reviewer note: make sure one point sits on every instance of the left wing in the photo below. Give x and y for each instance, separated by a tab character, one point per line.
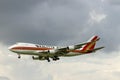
64	50
94	50
73	47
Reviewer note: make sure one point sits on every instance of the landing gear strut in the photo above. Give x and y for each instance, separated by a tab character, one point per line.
47	58
55	58
19	56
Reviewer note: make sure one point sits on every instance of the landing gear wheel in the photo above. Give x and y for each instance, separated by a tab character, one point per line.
48	59
58	58
55	58
33	57
19	56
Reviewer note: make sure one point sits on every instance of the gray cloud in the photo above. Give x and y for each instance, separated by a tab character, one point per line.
55	22
114	2
49	21
3	78
95	66
16	6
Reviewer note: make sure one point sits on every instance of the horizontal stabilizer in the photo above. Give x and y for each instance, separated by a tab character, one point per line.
97	49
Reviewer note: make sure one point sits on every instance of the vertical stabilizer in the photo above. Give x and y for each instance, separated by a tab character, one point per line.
90	46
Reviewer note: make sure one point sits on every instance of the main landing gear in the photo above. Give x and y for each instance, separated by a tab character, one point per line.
19	56
48	59
55	58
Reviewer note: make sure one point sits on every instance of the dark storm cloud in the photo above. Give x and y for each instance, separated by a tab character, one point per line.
50	21
17	6
114	2
111	26
59	21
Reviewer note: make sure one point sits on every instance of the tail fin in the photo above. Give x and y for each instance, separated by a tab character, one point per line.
90	46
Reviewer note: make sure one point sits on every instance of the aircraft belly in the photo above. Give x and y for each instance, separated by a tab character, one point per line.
28	52
72	54
33	52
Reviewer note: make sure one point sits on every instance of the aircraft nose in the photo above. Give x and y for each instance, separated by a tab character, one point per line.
10	48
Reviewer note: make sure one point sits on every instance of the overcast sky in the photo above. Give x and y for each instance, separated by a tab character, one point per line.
60	22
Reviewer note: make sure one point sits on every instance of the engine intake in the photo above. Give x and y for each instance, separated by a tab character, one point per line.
38	58
71	47
52	51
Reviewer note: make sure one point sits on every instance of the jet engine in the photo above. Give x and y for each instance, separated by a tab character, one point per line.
71	47
52	51
38	58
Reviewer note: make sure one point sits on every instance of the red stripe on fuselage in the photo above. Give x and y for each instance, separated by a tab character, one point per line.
31	48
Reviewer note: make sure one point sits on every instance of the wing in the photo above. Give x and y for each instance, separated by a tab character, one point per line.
94	50
68	48
73	47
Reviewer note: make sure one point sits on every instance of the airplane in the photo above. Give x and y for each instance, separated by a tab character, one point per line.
44	52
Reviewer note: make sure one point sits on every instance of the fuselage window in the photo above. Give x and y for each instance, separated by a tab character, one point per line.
37	46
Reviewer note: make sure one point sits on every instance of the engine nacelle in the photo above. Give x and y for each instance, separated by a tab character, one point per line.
38	58
52	51
71	47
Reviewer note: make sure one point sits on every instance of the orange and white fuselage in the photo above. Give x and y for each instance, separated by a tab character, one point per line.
43	52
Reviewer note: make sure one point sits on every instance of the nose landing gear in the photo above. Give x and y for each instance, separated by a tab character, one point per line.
19	56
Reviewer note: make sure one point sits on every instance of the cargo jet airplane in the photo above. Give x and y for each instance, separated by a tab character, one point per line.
43	52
